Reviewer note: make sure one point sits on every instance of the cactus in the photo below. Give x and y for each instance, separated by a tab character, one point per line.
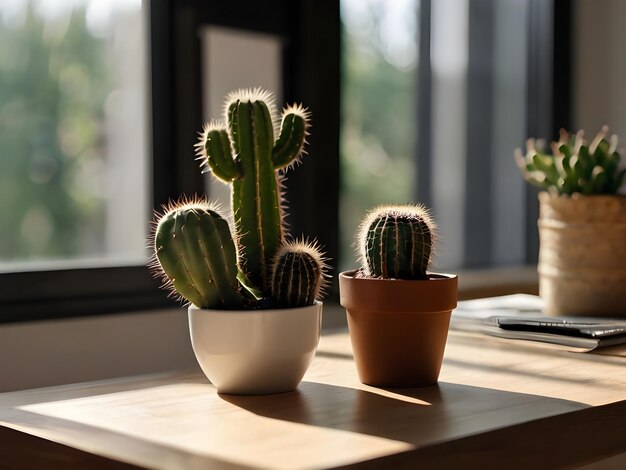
244	153
196	255
298	274
574	166
396	242
194	250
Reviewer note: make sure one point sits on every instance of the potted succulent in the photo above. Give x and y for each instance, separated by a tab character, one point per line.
254	312
398	313
582	224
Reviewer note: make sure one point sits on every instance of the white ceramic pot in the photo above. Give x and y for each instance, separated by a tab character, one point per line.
254	352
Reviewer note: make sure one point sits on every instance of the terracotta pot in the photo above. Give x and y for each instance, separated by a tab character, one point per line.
398	328
582	255
255	352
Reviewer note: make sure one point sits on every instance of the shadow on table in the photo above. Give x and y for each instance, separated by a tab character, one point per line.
424	417
413	415
469	364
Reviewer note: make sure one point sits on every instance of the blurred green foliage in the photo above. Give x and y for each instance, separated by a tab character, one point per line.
378	132
54	80
53	85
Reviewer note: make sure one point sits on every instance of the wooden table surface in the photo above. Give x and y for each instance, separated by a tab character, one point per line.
498	403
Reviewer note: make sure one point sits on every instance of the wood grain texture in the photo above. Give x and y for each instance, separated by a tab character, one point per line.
566	441
495	398
23	451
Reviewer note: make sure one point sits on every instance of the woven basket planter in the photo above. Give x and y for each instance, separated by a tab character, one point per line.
582	256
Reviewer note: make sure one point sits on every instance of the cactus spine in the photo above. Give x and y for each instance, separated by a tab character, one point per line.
243	152
396	242
297	274
196	252
575	166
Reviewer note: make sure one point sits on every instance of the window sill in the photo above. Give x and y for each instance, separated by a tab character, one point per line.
495	282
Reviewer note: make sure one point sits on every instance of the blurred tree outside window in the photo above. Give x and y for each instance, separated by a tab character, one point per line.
73	166
475	116
379	93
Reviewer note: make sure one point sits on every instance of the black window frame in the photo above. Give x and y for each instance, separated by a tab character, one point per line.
310	33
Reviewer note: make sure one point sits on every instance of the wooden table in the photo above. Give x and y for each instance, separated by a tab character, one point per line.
499	403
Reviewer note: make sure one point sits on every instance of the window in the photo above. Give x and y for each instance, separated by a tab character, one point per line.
75	173
379	126
73	159
84	251
436	96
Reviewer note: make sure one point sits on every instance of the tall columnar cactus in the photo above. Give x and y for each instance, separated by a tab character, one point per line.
574	166
244	152
396	242
297	274
196	255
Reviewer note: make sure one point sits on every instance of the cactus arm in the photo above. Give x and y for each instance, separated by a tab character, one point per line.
219	155
291	140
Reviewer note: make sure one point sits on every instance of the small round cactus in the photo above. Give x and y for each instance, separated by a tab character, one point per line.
196	255
395	242
298	274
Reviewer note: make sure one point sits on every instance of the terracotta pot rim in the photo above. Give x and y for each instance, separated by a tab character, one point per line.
434	277
436	295
390	313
